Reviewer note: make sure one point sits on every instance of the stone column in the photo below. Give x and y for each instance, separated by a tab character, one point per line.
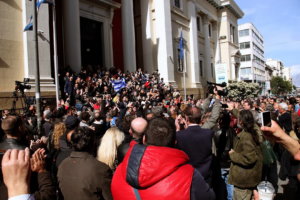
72	40
194	54
146	35
128	35
46	81
207	54
164	40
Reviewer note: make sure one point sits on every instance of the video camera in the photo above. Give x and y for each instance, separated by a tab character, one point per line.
212	86
21	86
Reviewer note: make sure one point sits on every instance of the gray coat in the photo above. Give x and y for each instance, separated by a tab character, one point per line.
215	113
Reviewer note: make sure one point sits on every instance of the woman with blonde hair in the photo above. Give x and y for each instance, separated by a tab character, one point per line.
58	131
107	151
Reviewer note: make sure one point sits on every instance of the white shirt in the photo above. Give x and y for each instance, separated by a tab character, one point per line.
22	197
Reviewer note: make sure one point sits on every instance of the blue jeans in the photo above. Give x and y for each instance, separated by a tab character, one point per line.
225	173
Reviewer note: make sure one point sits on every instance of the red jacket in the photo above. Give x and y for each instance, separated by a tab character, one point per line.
159	173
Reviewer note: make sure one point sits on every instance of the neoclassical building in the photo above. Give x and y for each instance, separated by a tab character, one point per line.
151	31
126	34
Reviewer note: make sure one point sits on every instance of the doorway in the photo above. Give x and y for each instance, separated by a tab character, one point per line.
92	47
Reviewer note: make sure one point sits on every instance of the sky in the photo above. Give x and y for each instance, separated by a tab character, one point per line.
279	23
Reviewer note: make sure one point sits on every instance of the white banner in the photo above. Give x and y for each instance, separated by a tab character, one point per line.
221	73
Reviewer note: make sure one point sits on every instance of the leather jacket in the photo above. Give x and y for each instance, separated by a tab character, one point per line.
10	143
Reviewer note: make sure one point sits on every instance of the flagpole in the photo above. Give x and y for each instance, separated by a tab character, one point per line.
37	69
55	54
184	72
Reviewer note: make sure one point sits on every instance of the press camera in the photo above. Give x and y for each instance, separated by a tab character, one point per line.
212	86
21	86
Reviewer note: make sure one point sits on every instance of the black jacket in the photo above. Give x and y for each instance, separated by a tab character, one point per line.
285	121
196	142
10	143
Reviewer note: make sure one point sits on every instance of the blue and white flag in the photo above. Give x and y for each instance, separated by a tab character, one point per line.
118	84
29	26
181	47
39	3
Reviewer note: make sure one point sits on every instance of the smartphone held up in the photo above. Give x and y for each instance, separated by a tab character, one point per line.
266	119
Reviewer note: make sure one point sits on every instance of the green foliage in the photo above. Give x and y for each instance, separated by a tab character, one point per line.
242	90
280	86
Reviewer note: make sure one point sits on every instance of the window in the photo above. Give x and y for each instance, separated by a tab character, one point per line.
209	30
212	70
245	58
232	31
198	23
245	45
258	60
258	49
177	3
245	71
201	68
255	35
244	32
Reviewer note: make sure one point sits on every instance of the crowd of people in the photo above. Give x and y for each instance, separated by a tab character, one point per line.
130	136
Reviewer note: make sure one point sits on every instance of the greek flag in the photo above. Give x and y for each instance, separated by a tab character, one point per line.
118	84
29	26
181	47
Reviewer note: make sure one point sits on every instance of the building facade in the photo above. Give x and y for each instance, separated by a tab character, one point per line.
268	76
252	60
209	31
287	75
127	34
277	67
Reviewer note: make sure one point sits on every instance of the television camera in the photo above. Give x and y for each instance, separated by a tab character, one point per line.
21	86
212	86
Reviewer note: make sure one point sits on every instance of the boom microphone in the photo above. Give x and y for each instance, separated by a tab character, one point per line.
224	84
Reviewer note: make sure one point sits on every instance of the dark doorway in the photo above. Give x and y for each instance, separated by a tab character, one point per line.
92	48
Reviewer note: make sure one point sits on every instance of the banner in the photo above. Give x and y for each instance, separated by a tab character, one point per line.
221	73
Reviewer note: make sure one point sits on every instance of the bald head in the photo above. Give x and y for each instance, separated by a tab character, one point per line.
138	127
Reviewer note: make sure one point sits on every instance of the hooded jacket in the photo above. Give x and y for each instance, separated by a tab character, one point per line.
153	172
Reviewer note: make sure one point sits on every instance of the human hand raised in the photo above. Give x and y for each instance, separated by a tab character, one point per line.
16	171
38	161
273	133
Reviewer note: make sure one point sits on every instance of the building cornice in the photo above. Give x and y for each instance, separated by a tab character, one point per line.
215	3
110	3
180	14
233	7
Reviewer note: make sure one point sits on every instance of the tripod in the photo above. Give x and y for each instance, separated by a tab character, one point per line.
20	95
